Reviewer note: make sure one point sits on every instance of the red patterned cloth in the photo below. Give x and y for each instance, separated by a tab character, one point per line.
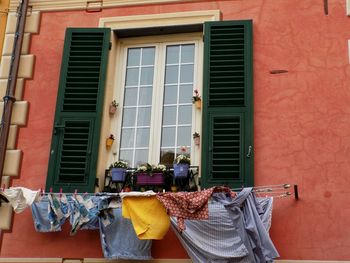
187	205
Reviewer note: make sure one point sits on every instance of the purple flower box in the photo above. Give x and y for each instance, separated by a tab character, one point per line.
150	179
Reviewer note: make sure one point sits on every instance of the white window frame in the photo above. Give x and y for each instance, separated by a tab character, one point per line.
158	88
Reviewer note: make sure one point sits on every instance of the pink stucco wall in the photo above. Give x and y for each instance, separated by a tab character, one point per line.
302	124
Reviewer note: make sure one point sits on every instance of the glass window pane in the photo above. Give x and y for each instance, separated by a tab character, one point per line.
187	53
126	155
185	114
184	136
167	156
169	115
127	139
145	96
148	56
130	97
168	137
172	54
132	77
170	94
146	76
133	57
171	74
186	74
186	92
129	116
141	156
142	137
144	116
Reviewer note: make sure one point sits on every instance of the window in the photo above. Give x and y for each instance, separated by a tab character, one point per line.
155	94
154	81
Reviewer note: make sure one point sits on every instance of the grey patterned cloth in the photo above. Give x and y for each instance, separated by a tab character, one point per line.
236	231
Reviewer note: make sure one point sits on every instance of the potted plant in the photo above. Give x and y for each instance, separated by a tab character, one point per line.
113	107
150	174
109	141
181	166
118	171
196	99
196	138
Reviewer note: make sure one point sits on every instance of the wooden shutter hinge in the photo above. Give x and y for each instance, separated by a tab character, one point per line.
110	46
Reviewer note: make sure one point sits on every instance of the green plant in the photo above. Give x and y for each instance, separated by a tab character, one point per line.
182	158
119	164
114	103
144	168
160	168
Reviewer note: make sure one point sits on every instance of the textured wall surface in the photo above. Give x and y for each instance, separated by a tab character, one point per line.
302	131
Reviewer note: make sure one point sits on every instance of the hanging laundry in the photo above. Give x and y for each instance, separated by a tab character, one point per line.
229	234
41	216
148	216
189	205
59	210
119	240
221	238
84	213
263	248
20	198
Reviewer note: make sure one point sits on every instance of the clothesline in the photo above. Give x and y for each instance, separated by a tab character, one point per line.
268	190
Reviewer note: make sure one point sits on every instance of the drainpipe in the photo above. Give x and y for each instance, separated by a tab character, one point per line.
9	98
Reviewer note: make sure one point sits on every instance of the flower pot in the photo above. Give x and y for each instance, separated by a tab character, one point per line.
181	170
112	109
198	104
109	143
118	174
150	179
196	140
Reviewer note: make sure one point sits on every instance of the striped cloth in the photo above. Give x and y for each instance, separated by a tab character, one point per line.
231	234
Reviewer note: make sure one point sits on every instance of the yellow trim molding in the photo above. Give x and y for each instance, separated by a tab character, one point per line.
166	19
49	5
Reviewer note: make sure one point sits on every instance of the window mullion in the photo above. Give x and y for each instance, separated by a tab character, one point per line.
157	104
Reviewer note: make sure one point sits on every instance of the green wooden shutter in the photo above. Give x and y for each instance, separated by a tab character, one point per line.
76	132
227	104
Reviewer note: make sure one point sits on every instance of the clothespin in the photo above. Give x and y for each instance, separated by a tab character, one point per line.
50	190
60	192
75	192
41	192
85	194
3	187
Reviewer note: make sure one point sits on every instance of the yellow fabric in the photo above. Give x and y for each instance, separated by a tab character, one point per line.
148	216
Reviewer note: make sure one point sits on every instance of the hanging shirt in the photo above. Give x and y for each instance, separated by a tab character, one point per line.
148	216
20	198
234	232
186	205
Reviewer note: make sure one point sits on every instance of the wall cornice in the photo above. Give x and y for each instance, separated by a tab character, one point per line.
62	5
